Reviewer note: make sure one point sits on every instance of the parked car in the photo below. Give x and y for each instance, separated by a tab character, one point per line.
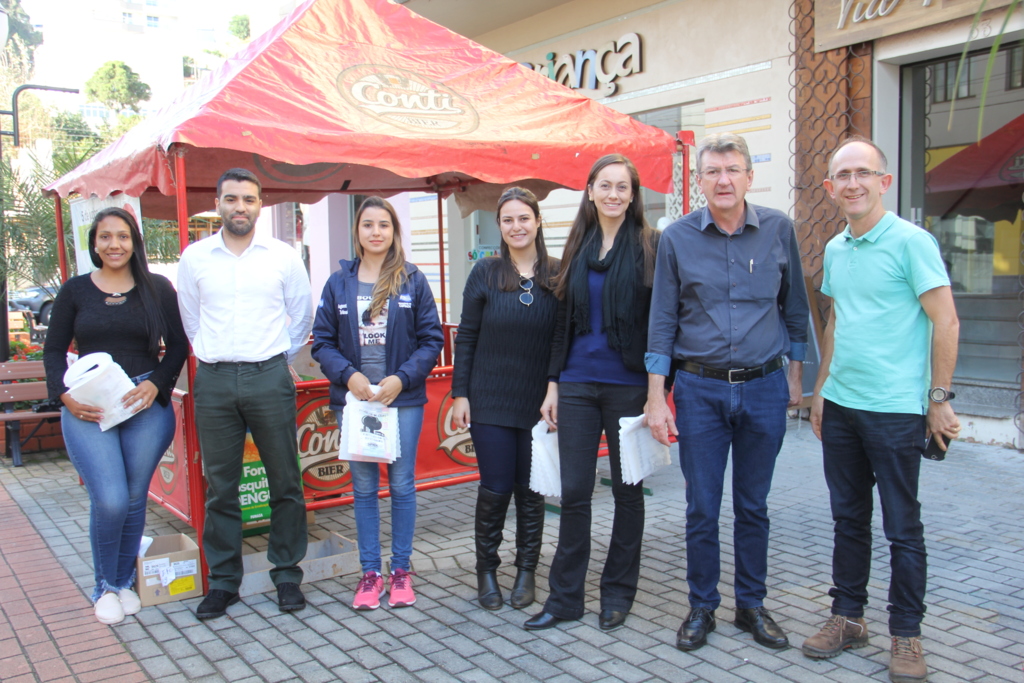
39	300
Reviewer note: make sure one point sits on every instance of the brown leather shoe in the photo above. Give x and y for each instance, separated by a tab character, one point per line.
836	635
907	663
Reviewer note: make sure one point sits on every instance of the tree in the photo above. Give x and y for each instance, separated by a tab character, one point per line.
117	87
19	24
239	26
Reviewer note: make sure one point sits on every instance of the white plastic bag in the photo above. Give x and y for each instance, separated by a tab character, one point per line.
369	431
639	452
545	471
96	380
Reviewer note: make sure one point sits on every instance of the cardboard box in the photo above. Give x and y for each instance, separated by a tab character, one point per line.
333	556
169	571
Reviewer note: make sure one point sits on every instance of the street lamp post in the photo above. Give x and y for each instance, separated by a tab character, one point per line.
5	335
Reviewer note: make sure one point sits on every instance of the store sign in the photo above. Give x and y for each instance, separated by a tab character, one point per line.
407	100
588	68
838	23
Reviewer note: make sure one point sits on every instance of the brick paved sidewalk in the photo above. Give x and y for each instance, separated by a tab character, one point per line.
974	629
47	628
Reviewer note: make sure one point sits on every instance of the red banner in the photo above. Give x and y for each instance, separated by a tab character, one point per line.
443	450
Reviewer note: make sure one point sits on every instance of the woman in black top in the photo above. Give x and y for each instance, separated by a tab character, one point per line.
597	376
502	353
123	310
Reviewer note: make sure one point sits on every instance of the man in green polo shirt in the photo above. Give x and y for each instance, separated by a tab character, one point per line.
887	361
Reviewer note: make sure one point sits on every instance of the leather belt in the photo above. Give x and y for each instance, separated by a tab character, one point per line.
734	376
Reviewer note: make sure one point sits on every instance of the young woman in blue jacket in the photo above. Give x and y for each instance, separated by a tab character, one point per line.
377	325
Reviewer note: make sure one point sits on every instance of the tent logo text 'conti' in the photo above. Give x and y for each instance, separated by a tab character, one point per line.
407	100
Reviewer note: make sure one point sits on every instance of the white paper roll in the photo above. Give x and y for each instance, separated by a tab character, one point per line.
96	380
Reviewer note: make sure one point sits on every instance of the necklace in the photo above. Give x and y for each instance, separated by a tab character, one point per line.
522	273
115	299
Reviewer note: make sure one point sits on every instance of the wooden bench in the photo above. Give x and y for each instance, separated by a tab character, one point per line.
12	391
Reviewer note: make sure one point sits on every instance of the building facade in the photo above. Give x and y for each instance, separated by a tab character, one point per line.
795	77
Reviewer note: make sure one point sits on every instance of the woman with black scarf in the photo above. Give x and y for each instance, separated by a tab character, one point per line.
597	376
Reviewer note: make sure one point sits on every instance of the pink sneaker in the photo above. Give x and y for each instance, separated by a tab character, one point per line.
401	594
368	592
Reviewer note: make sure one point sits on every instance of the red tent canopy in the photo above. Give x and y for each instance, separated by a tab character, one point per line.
984	179
364	96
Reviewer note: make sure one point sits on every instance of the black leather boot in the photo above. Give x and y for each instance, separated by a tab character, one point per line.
490	522
529	534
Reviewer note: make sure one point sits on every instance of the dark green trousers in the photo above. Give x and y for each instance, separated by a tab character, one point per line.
261	396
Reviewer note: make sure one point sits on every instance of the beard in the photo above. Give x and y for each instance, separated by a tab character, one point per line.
237	229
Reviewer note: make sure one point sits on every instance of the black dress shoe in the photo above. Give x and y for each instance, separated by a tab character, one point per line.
290	597
759	622
543	620
610	619
694	631
215	604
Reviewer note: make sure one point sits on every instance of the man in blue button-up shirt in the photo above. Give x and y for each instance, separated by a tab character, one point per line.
728	303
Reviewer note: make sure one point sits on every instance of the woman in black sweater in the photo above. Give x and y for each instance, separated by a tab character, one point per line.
597	376
123	310
502	353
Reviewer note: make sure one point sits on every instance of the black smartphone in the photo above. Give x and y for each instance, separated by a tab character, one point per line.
932	450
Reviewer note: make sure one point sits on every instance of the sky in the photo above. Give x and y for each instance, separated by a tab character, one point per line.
79	37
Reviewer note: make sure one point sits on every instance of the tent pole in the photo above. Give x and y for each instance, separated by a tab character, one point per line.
181	193
440	250
191	457
62	251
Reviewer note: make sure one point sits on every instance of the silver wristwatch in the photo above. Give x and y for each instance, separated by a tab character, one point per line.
941	394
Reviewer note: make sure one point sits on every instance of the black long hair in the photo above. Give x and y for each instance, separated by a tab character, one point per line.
586	222
544	270
153	317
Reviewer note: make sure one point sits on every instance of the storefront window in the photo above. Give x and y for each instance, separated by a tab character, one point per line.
660	209
1015	67
944	80
969	195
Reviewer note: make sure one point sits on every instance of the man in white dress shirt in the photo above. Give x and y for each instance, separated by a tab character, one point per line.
246	305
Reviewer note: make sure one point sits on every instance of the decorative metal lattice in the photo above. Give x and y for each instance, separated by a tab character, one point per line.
697	198
831	96
674	201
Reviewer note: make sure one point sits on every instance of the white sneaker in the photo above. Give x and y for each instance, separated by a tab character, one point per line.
109	610
130	602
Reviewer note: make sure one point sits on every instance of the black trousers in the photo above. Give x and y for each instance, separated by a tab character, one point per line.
584	410
503	455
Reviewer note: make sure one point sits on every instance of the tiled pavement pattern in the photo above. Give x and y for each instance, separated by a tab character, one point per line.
47	628
974	630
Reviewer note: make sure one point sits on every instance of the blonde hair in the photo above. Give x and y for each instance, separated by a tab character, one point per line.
392	272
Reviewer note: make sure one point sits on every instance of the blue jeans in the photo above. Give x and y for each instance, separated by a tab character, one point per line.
402	486
714	416
862	448
584	410
117	466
